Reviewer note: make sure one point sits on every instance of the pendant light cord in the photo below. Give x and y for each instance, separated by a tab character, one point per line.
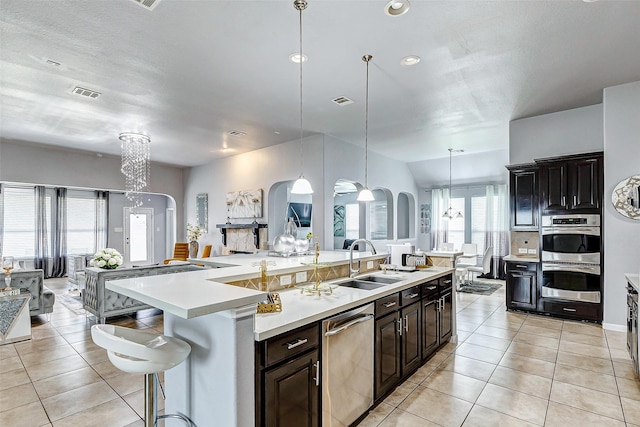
301	6
366	59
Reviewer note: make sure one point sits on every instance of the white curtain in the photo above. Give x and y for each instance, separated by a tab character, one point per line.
497	225
439	226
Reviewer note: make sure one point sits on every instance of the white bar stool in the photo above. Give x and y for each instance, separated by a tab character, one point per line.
139	352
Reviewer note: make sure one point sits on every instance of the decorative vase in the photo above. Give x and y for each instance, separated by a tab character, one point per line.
194	246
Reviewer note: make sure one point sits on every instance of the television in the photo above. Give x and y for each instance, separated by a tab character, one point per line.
301	214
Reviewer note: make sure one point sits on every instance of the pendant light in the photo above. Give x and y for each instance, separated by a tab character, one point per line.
365	194
451	213
301	185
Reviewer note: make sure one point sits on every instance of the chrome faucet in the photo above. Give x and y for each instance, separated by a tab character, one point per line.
353	271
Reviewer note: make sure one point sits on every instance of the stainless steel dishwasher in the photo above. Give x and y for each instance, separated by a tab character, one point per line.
347	366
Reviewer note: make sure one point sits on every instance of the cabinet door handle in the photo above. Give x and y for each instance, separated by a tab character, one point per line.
444	304
317	378
569	309
297	343
400	325
412	296
447	282
406	323
389	304
564	201
431	287
521	266
575	200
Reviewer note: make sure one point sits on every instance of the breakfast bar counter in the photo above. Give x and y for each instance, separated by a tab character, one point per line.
219	321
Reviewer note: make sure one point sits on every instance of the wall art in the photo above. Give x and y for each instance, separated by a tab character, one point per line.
338	220
244	204
626	197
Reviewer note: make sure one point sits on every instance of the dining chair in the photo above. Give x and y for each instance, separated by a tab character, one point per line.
486	263
180	252
446	247
469	255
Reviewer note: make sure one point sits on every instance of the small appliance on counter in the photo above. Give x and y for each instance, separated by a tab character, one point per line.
396	253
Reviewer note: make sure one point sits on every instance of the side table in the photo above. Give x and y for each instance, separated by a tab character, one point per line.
15	322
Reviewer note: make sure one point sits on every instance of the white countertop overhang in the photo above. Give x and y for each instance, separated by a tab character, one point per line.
198	293
516	258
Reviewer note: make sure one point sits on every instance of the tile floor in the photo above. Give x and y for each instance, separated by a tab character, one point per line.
508	369
514	369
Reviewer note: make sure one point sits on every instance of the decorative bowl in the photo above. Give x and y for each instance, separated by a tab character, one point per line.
284	243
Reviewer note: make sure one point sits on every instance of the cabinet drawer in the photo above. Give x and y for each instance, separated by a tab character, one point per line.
387	304
430	289
409	296
445	284
521	266
291	343
575	310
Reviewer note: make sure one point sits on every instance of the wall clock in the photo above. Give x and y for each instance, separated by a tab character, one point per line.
626	197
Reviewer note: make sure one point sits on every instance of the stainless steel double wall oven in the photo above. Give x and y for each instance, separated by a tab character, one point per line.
571	258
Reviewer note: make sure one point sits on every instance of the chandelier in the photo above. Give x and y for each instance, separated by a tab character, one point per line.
451	213
136	165
301	185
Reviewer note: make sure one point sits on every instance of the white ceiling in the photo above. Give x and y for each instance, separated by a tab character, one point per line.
187	72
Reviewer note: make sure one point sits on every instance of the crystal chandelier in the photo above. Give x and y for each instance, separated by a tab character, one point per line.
136	165
451	213
301	185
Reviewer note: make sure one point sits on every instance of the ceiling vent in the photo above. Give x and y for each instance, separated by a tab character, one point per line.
85	92
342	100
236	133
147	4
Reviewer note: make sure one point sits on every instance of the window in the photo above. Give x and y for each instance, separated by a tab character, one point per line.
352	221
456	225
19	222
81	223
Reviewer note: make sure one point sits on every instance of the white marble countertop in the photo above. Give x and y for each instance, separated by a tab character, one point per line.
634	280
197	293
300	309
519	258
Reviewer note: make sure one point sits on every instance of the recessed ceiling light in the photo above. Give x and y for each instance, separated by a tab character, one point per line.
295	58
589	1
397	7
277	133
410	60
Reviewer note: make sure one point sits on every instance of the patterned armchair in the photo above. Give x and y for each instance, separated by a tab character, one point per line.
32	281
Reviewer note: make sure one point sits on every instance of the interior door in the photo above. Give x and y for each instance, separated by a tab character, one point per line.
138	236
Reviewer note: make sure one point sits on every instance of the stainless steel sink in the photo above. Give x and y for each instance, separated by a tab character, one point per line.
379	279
360	284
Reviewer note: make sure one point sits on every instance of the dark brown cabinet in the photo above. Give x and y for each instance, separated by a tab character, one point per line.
292	394
522	285
398	350
571	184
387	353
523	182
288	379
411	351
436	314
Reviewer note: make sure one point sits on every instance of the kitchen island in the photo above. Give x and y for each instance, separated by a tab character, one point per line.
219	321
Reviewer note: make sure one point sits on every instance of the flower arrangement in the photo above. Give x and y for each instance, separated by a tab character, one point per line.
194	232
309	235
107	258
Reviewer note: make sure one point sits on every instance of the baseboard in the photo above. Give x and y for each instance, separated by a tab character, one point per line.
614	327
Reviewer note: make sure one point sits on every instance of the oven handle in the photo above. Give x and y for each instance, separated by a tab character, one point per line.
572	268
590	231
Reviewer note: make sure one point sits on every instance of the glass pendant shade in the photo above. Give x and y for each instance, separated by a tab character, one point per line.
451	213
365	195
301	186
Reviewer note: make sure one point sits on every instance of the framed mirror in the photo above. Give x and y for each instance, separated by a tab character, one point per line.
202	210
626	197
